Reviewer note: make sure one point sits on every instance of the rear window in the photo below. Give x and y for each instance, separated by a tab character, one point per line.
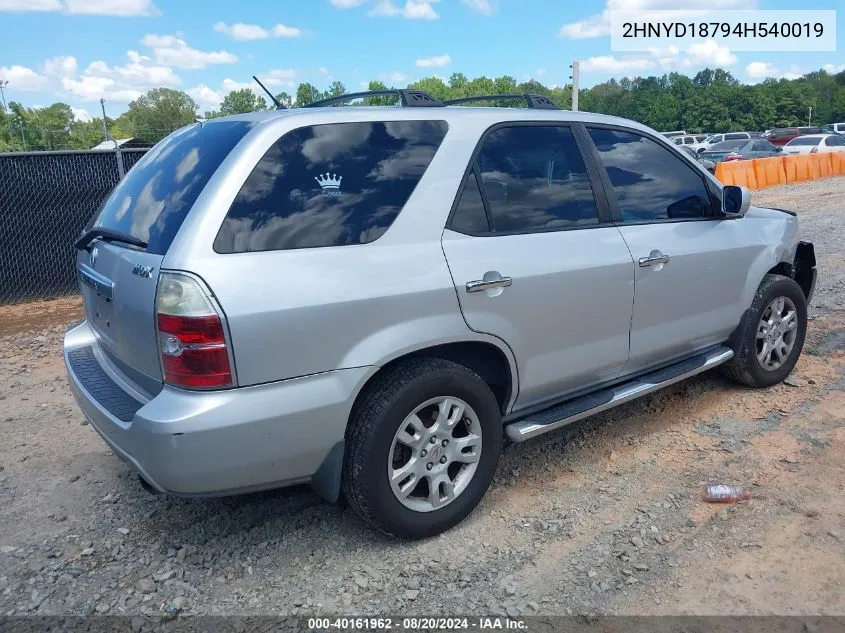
330	185
736	136
728	145
804	140
154	197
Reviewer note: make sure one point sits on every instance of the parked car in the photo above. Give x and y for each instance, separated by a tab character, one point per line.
741	149
834	128
709	165
368	299
781	136
815	143
690	141
720	138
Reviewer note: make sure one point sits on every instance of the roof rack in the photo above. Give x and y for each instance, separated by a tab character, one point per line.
534	101
407	98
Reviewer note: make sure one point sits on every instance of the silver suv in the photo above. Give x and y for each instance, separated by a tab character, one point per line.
371	300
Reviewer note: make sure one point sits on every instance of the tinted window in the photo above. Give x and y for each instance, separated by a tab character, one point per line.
736	135
650	182
762	146
470	216
725	146
834	141
534	178
689	140
151	202
809	130
803	140
329	185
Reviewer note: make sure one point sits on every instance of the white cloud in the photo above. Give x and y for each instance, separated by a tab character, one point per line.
413	9
599	25
23	78
708	53
242	32
434	62
758	71
280	30
81	114
614	66
833	69
397	77
206	98
485	7
30	5
346	4
250	32
169	50
278	77
539	72
60	66
123	8
94	87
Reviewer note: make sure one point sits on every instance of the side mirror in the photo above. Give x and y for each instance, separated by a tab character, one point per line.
778	148
735	201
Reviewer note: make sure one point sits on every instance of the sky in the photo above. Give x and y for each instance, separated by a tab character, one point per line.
78	51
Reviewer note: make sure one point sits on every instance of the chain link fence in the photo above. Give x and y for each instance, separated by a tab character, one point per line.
46	199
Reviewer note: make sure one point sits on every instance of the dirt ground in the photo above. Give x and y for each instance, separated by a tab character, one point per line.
602	517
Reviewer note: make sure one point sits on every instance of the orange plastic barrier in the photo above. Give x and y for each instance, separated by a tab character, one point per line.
737	172
769	171
781	170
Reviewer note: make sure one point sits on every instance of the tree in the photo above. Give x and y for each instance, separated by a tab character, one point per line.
285	99
307	93
336	89
243	100
154	115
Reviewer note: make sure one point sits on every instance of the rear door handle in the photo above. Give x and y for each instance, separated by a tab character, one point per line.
654	258
488	284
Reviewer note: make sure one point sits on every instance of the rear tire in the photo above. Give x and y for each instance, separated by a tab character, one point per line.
422	448
772	334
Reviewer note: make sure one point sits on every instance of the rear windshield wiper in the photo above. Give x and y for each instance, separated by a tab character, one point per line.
107	235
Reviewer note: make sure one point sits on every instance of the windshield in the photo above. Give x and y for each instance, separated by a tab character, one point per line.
728	145
156	194
804	140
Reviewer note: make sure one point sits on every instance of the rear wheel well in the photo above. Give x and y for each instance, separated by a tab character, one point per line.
485	359
783	268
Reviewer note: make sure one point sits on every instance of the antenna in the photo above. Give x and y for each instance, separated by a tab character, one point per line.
278	103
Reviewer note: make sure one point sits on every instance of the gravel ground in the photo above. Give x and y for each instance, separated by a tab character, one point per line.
601	517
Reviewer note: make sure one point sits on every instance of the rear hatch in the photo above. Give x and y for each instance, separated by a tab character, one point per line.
119	271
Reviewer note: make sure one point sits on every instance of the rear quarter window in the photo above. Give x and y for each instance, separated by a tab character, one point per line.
154	197
330	185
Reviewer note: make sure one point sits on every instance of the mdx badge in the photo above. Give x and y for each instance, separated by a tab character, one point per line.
143	271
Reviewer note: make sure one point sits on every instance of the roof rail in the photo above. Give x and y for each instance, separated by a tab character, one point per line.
407	98
534	101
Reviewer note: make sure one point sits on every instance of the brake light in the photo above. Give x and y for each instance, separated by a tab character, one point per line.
733	157
191	337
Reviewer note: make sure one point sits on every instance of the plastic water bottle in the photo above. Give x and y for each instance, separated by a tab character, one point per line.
721	493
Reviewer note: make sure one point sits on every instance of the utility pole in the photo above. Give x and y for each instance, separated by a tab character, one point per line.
3	84
575	80
117	154
810	117
23	139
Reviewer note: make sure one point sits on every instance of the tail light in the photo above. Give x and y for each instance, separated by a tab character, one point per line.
733	157
191	335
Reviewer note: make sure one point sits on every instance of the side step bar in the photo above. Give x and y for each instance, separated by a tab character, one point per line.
592	403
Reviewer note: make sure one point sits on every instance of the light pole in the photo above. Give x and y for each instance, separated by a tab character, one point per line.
575	77
3	84
810	117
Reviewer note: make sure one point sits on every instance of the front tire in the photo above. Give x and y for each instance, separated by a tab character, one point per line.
772	334
422	448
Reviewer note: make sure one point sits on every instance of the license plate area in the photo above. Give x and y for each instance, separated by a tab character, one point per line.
100	295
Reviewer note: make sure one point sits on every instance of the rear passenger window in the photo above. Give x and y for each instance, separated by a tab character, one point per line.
330	185
534	179
735	137
650	182
470	216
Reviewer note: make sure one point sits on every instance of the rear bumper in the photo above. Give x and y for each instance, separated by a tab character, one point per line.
217	442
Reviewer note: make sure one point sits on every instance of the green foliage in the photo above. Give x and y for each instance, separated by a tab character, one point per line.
711	101
157	113
239	101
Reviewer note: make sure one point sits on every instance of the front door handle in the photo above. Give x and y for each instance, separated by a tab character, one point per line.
488	284
654	258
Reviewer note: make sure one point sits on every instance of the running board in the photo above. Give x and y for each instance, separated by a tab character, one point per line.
592	403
